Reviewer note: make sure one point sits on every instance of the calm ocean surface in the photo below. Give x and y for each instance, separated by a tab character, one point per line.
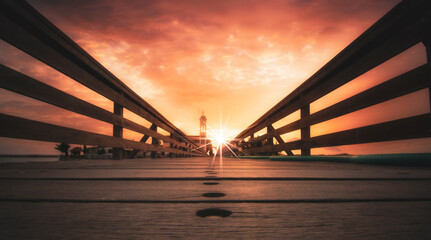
28	159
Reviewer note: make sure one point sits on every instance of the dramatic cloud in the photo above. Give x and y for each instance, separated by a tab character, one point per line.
237	57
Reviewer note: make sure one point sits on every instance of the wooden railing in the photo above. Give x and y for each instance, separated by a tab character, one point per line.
26	29
403	27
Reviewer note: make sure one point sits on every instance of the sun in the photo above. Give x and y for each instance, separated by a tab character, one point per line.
220	139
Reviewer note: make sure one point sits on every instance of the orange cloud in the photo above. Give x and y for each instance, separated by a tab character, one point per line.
184	57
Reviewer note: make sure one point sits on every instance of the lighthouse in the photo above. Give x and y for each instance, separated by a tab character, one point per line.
203	132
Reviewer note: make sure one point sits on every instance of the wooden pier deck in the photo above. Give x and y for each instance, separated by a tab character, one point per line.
160	199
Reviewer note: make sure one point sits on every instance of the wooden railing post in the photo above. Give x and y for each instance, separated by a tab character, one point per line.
171	145
270	140
189	145
252	145
179	147
154	141
426	40
427	43
305	131
117	153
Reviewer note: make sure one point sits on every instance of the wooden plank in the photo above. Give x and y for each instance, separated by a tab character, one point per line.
27	86
90	190
34	130
398	30
362	220
406	83
401	129
196	169
163	209
22	26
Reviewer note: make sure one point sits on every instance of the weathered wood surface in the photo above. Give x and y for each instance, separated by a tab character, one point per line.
158	199
236	191
248	221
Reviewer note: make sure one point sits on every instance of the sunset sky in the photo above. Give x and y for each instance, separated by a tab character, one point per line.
231	59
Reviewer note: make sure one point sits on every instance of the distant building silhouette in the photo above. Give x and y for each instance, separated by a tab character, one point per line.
202	139
76	151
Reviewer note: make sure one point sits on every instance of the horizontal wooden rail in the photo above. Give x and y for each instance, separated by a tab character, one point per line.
406	83
401	129
23	27
398	30
407	24
27	86
33	130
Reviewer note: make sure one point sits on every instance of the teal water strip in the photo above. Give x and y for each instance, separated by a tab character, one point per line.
312	158
389	159
405	158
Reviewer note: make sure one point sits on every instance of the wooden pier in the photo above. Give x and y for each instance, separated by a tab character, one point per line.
160	199
181	197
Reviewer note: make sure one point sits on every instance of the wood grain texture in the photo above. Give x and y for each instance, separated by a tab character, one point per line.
235	191
260	209
248	221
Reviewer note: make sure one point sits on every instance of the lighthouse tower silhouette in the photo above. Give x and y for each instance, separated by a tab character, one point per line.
203	132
